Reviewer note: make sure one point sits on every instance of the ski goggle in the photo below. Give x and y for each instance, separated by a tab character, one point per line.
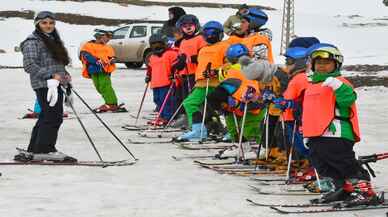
321	54
45	14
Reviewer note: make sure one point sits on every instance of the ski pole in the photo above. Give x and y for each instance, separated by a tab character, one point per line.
141	103
174	115
291	151
67	92
242	131
318	180
236	124
266	136
261	139
208	68
164	103
104	124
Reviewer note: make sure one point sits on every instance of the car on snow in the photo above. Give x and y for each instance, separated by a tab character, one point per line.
130	43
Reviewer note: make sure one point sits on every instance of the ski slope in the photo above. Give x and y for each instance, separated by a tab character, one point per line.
158	186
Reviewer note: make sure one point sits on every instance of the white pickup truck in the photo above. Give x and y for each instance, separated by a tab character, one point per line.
131	45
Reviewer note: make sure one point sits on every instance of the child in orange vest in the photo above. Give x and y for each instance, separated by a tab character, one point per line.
98	64
330	123
159	74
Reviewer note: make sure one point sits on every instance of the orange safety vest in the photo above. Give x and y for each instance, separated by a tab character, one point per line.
102	52
238	94
294	91
161	68
214	54
319	110
191	47
257	39
234	39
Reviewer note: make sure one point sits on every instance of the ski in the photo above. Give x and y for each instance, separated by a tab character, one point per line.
78	163
149	142
179	158
285	192
255	203
210	162
204	145
148	118
328	209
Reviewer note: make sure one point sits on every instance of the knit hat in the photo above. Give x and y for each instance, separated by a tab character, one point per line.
260	70
99	32
43	15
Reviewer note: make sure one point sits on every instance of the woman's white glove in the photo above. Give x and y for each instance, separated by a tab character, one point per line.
52	93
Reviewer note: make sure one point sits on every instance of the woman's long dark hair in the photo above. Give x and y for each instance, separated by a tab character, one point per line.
55	45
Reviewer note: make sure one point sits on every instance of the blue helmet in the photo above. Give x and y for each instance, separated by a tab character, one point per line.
296	53
213	32
256	18
236	51
305	42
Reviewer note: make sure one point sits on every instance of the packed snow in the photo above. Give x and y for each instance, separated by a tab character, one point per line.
158	185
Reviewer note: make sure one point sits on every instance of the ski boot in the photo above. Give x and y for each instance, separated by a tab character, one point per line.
160	122
180	122
31	115
360	192
325	185
54	156
110	108
194	135
23	157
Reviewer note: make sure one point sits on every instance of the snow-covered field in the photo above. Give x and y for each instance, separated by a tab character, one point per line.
157	185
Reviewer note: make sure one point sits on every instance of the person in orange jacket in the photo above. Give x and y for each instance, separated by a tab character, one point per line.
98	60
159	74
187	60
210	59
291	101
330	124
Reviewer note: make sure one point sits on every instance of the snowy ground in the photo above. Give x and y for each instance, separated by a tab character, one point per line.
156	186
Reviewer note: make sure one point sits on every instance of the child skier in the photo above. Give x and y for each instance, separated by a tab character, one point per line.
158	74
210	59
231	96
98	64
330	123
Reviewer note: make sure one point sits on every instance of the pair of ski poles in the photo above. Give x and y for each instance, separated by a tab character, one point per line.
70	90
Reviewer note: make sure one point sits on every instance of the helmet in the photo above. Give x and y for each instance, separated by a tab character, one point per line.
158	43
213	32
326	51
305	42
296	53
236	51
256	18
188	19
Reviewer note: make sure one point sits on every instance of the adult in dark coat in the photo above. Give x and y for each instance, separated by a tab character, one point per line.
174	14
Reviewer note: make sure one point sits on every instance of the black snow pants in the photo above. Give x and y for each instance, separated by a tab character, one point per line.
45	132
335	158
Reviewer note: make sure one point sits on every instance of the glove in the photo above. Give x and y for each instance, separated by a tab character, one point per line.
210	73
332	82
52	93
69	99
180	63
268	95
147	79
250	95
232	102
283	104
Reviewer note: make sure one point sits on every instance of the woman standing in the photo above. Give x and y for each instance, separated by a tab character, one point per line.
45	58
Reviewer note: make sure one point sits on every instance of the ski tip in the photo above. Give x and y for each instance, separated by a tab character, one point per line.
279	210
